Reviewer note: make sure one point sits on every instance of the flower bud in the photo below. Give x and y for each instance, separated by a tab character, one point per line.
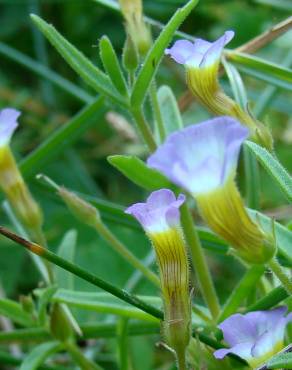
130	55
60	325
159	216
135	25
81	209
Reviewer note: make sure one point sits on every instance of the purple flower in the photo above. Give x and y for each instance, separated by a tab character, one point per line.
160	212
255	336
200	53
201	157
8	124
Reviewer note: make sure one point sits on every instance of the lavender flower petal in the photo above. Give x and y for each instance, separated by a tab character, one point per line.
8	124
160	212
254	335
201	53
201	157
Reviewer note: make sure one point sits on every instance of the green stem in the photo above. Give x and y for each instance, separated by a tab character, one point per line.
122	337
80	359
157	112
240	292
119	247
83	274
281	274
199	262
144	128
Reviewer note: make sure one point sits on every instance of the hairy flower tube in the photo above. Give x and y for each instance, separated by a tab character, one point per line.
202	158
255	336
201	60
160	218
11	181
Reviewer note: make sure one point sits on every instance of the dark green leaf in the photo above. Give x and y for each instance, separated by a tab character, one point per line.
15	312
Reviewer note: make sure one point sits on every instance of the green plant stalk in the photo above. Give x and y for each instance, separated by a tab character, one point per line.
199	262
119	247
80	359
275	296
157	113
144	128
281	274
123	345
240	292
83	274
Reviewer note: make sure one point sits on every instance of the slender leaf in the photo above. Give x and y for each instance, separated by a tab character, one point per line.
281	360
170	112
63	137
67	250
87	71
46	73
15	312
273	298
155	54
263	70
138	172
112	66
39	354
273	168
103	303
282	234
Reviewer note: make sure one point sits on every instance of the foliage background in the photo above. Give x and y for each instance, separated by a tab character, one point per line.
83	167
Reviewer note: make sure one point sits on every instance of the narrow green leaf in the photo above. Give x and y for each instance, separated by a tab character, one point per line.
263	70
138	172
39	354
45	72
169	109
63	137
282	234
273	168
104	303
14	312
155	54
282	360
81	65
111	65
67	250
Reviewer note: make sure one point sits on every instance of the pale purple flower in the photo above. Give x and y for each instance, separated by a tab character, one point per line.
201	157
200	53
8	124
160	212
255	336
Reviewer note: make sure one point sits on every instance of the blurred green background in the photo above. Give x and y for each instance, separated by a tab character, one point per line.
83	166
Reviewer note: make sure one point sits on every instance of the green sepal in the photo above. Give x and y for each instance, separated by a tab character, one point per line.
111	65
138	172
